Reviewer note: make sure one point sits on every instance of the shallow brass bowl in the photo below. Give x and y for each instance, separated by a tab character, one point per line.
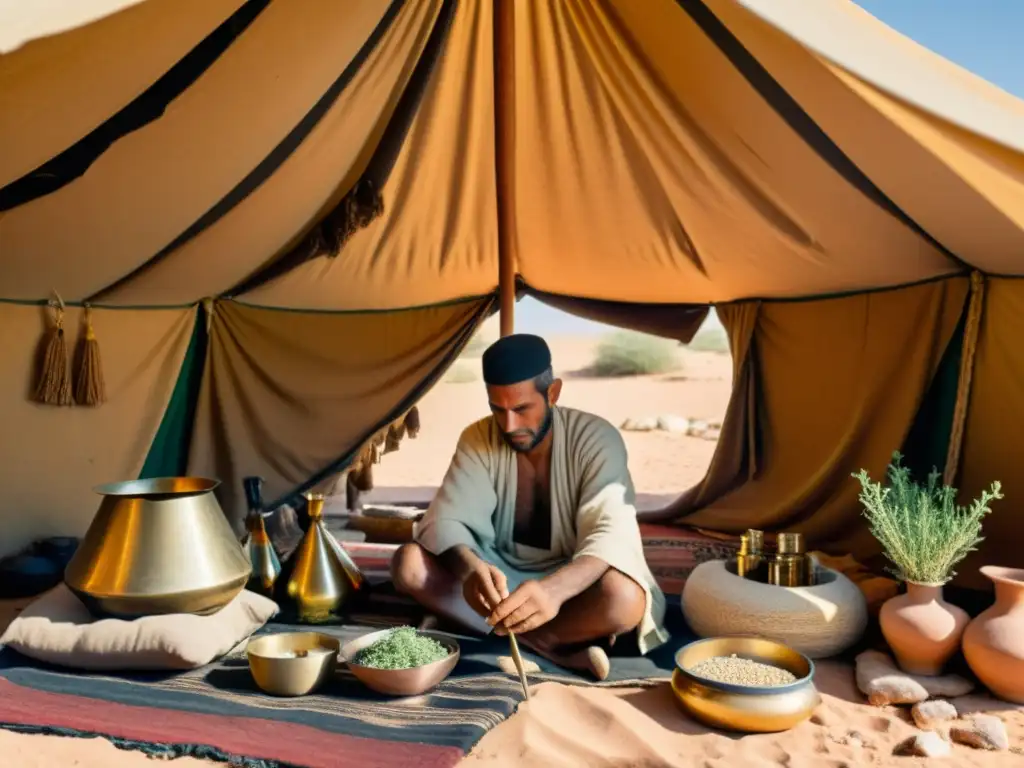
745	708
292	663
401	682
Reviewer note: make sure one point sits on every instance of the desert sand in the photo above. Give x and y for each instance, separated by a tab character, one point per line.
563	726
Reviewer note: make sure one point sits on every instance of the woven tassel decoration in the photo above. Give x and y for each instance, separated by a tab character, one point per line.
394	439
362	478
54	385
90	389
412	422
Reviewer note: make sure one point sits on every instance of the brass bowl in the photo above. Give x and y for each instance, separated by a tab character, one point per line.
292	663
745	708
401	682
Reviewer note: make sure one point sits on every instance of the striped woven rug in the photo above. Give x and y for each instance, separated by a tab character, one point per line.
218	713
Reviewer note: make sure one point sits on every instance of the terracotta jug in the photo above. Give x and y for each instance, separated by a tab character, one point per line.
922	629
994	641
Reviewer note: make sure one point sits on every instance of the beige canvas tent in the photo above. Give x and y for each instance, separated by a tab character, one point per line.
289	217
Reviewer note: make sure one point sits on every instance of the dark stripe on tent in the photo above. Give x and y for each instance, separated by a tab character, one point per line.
294	497
385	155
786	107
144	109
278	155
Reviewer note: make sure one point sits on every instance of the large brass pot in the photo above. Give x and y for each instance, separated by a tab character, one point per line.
158	546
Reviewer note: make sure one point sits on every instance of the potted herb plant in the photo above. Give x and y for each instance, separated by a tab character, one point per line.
924	534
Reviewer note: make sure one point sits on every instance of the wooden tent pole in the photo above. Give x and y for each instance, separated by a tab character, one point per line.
504	106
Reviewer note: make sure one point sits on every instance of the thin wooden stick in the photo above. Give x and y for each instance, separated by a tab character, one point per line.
518	659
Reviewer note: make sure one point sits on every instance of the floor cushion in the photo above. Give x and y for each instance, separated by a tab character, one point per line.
58	629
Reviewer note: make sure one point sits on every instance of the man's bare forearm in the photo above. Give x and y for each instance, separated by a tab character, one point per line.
575	577
460	561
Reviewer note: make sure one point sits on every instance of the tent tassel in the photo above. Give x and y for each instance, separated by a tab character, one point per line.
972	329
54	385
412	422
90	388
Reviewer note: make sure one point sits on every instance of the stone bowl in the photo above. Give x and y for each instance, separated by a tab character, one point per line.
292	663
745	708
401	682
818	621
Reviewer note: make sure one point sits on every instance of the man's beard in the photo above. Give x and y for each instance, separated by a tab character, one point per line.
536	437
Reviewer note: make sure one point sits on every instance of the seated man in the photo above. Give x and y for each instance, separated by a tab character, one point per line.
533	530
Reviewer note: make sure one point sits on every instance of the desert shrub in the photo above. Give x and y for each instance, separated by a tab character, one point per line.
626	353
462	373
920	527
710	339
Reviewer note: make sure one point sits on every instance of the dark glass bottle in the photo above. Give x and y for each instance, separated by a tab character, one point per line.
266	566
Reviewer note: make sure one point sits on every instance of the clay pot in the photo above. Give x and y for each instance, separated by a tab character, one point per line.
994	641
922	629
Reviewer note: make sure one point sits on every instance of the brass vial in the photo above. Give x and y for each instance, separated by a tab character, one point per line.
790	567
750	562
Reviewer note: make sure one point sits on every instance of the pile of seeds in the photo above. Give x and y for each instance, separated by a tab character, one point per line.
739	671
402	648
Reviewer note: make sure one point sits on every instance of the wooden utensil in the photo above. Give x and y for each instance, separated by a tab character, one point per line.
520	668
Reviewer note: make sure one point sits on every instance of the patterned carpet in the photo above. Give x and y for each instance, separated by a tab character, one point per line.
217	711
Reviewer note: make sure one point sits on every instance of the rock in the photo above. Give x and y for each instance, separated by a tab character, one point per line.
508	665
697	428
929	715
924	744
981	732
644	424
674	424
879	680
712	433
883	683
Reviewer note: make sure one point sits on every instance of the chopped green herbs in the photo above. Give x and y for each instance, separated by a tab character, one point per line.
401	648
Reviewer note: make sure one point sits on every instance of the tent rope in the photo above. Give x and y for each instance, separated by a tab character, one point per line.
972	329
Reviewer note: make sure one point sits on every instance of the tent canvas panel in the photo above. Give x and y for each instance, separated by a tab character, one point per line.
183	163
289	396
55	90
838	384
993	446
52	457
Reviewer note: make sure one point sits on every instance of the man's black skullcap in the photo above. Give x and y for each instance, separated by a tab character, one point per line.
515	358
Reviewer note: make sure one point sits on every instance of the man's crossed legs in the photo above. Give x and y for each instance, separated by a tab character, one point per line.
612	606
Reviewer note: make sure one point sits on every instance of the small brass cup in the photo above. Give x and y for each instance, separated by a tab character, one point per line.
292	663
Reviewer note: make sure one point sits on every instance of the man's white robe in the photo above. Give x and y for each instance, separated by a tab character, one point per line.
592	508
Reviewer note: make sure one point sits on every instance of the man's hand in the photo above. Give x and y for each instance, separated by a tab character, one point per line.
484	588
532	605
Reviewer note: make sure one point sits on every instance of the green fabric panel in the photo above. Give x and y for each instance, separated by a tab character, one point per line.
168	455
927	442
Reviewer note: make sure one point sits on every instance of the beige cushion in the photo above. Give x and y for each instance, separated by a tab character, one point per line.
58	629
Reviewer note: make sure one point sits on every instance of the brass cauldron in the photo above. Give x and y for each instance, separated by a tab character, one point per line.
745	708
158	546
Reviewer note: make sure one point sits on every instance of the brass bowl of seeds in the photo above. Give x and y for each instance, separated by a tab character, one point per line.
746	684
292	663
402	661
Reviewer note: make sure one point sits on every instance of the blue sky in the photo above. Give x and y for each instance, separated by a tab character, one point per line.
984	36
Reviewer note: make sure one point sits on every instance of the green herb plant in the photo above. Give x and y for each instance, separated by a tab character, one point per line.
920	527
402	648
